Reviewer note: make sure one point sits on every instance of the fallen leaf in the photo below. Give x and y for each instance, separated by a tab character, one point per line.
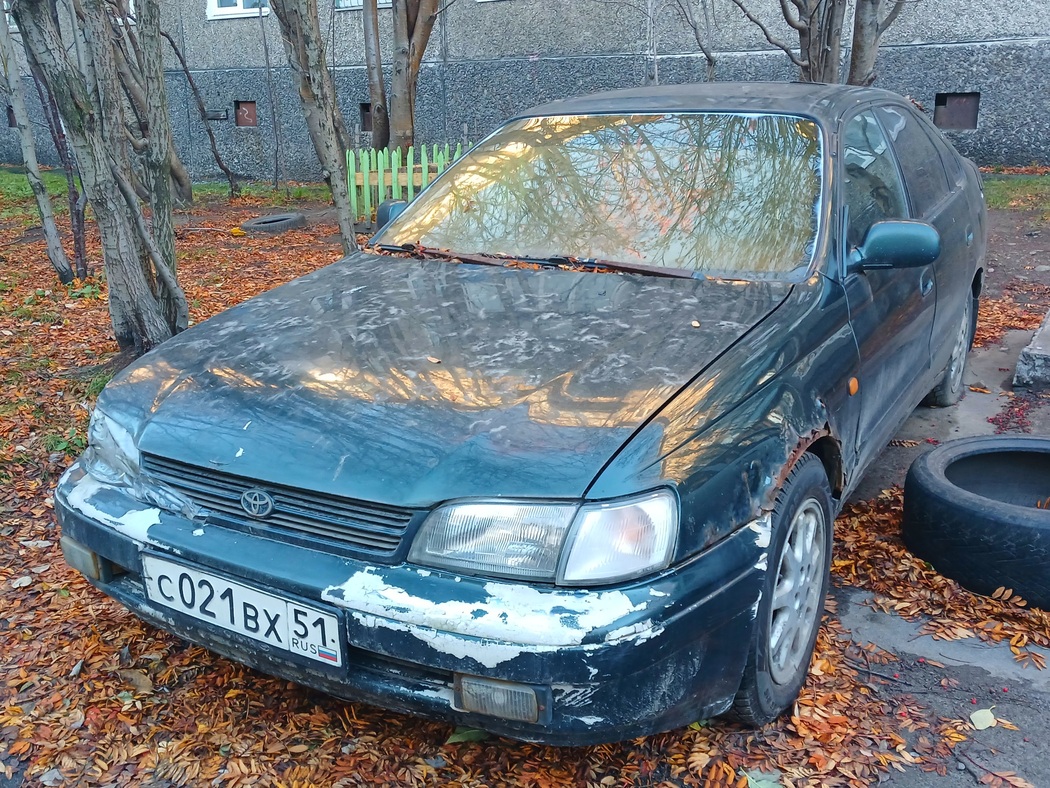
138	680
21	582
983	718
466	734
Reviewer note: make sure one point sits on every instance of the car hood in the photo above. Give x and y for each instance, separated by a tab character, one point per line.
410	383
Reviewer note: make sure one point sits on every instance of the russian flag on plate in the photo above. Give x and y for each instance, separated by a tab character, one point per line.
325	653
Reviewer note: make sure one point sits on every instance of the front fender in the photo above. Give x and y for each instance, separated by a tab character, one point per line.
727	474
729	439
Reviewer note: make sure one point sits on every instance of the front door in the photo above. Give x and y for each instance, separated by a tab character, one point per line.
891	311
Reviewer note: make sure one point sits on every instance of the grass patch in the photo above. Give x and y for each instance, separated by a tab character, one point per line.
14	185
68	442
97	383
285	195
1023	192
16	196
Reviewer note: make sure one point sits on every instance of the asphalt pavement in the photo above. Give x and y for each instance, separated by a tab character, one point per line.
981	675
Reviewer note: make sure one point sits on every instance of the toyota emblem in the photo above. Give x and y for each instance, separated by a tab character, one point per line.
257	503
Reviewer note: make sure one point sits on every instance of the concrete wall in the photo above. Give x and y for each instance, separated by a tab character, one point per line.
489	60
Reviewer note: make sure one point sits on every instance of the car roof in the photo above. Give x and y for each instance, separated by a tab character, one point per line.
825	103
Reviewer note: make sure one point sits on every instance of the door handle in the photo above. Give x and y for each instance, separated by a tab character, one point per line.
925	284
969	236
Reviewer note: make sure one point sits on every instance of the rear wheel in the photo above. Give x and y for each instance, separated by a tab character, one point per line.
950	388
792	602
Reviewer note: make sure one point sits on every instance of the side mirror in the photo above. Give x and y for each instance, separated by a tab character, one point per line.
387	211
897	243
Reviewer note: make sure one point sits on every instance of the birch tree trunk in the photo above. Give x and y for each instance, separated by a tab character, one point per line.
55	253
141	280
413	23
304	46
868	29
132	62
158	159
374	66
76	199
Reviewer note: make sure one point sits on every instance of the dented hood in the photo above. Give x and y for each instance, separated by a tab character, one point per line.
410	383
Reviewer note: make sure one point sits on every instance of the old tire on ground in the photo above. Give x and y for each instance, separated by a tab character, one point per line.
274	223
949	388
970	510
792	602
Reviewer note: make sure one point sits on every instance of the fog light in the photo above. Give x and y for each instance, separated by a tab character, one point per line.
497	698
81	558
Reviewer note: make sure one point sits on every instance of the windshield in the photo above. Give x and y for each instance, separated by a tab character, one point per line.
722	193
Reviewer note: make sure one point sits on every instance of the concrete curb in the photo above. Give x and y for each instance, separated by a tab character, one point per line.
1033	365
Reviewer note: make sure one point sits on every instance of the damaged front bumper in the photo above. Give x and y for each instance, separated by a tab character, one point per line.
604	664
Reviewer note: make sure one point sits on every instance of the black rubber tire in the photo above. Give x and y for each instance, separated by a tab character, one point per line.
970	511
949	389
274	223
761	698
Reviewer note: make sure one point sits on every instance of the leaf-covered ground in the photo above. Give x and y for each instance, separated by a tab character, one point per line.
89	695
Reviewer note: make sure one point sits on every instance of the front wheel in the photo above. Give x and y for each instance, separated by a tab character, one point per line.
792	602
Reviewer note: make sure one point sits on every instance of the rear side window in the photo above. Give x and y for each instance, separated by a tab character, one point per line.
920	161
873	187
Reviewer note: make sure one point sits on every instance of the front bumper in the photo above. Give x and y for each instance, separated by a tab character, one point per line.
607	663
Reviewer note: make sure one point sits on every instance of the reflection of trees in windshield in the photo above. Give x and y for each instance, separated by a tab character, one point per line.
705	192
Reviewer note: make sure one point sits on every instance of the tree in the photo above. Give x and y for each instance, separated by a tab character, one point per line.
868	27
819	24
374	67
413	22
55	253
80	67
75	198
696	15
131	66
304	46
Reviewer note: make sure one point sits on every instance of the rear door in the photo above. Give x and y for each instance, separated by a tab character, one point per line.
891	311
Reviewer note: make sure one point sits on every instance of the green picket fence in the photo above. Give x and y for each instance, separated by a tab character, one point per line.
374	176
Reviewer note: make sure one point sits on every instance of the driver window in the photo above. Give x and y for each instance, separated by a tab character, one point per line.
873	186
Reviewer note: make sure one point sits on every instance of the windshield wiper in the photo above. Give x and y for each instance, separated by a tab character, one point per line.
591	263
555	261
441	254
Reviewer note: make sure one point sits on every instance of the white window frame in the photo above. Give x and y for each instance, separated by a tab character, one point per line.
355	5
240	12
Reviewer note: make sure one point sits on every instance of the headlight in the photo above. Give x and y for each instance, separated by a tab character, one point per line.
506	539
565	543
112	455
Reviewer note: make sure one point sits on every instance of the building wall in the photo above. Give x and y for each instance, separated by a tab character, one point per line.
490	60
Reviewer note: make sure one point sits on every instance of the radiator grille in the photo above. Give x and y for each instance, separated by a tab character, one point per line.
359	524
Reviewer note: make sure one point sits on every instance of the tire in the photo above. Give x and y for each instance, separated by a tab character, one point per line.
274	223
949	389
792	602
970	511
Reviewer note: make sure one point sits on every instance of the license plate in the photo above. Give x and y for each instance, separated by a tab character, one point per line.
284	623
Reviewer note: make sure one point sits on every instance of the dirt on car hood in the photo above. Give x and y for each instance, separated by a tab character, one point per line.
411	382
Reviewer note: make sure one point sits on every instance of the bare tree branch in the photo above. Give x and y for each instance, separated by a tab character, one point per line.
685	8
802	64
891	17
792	20
203	113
